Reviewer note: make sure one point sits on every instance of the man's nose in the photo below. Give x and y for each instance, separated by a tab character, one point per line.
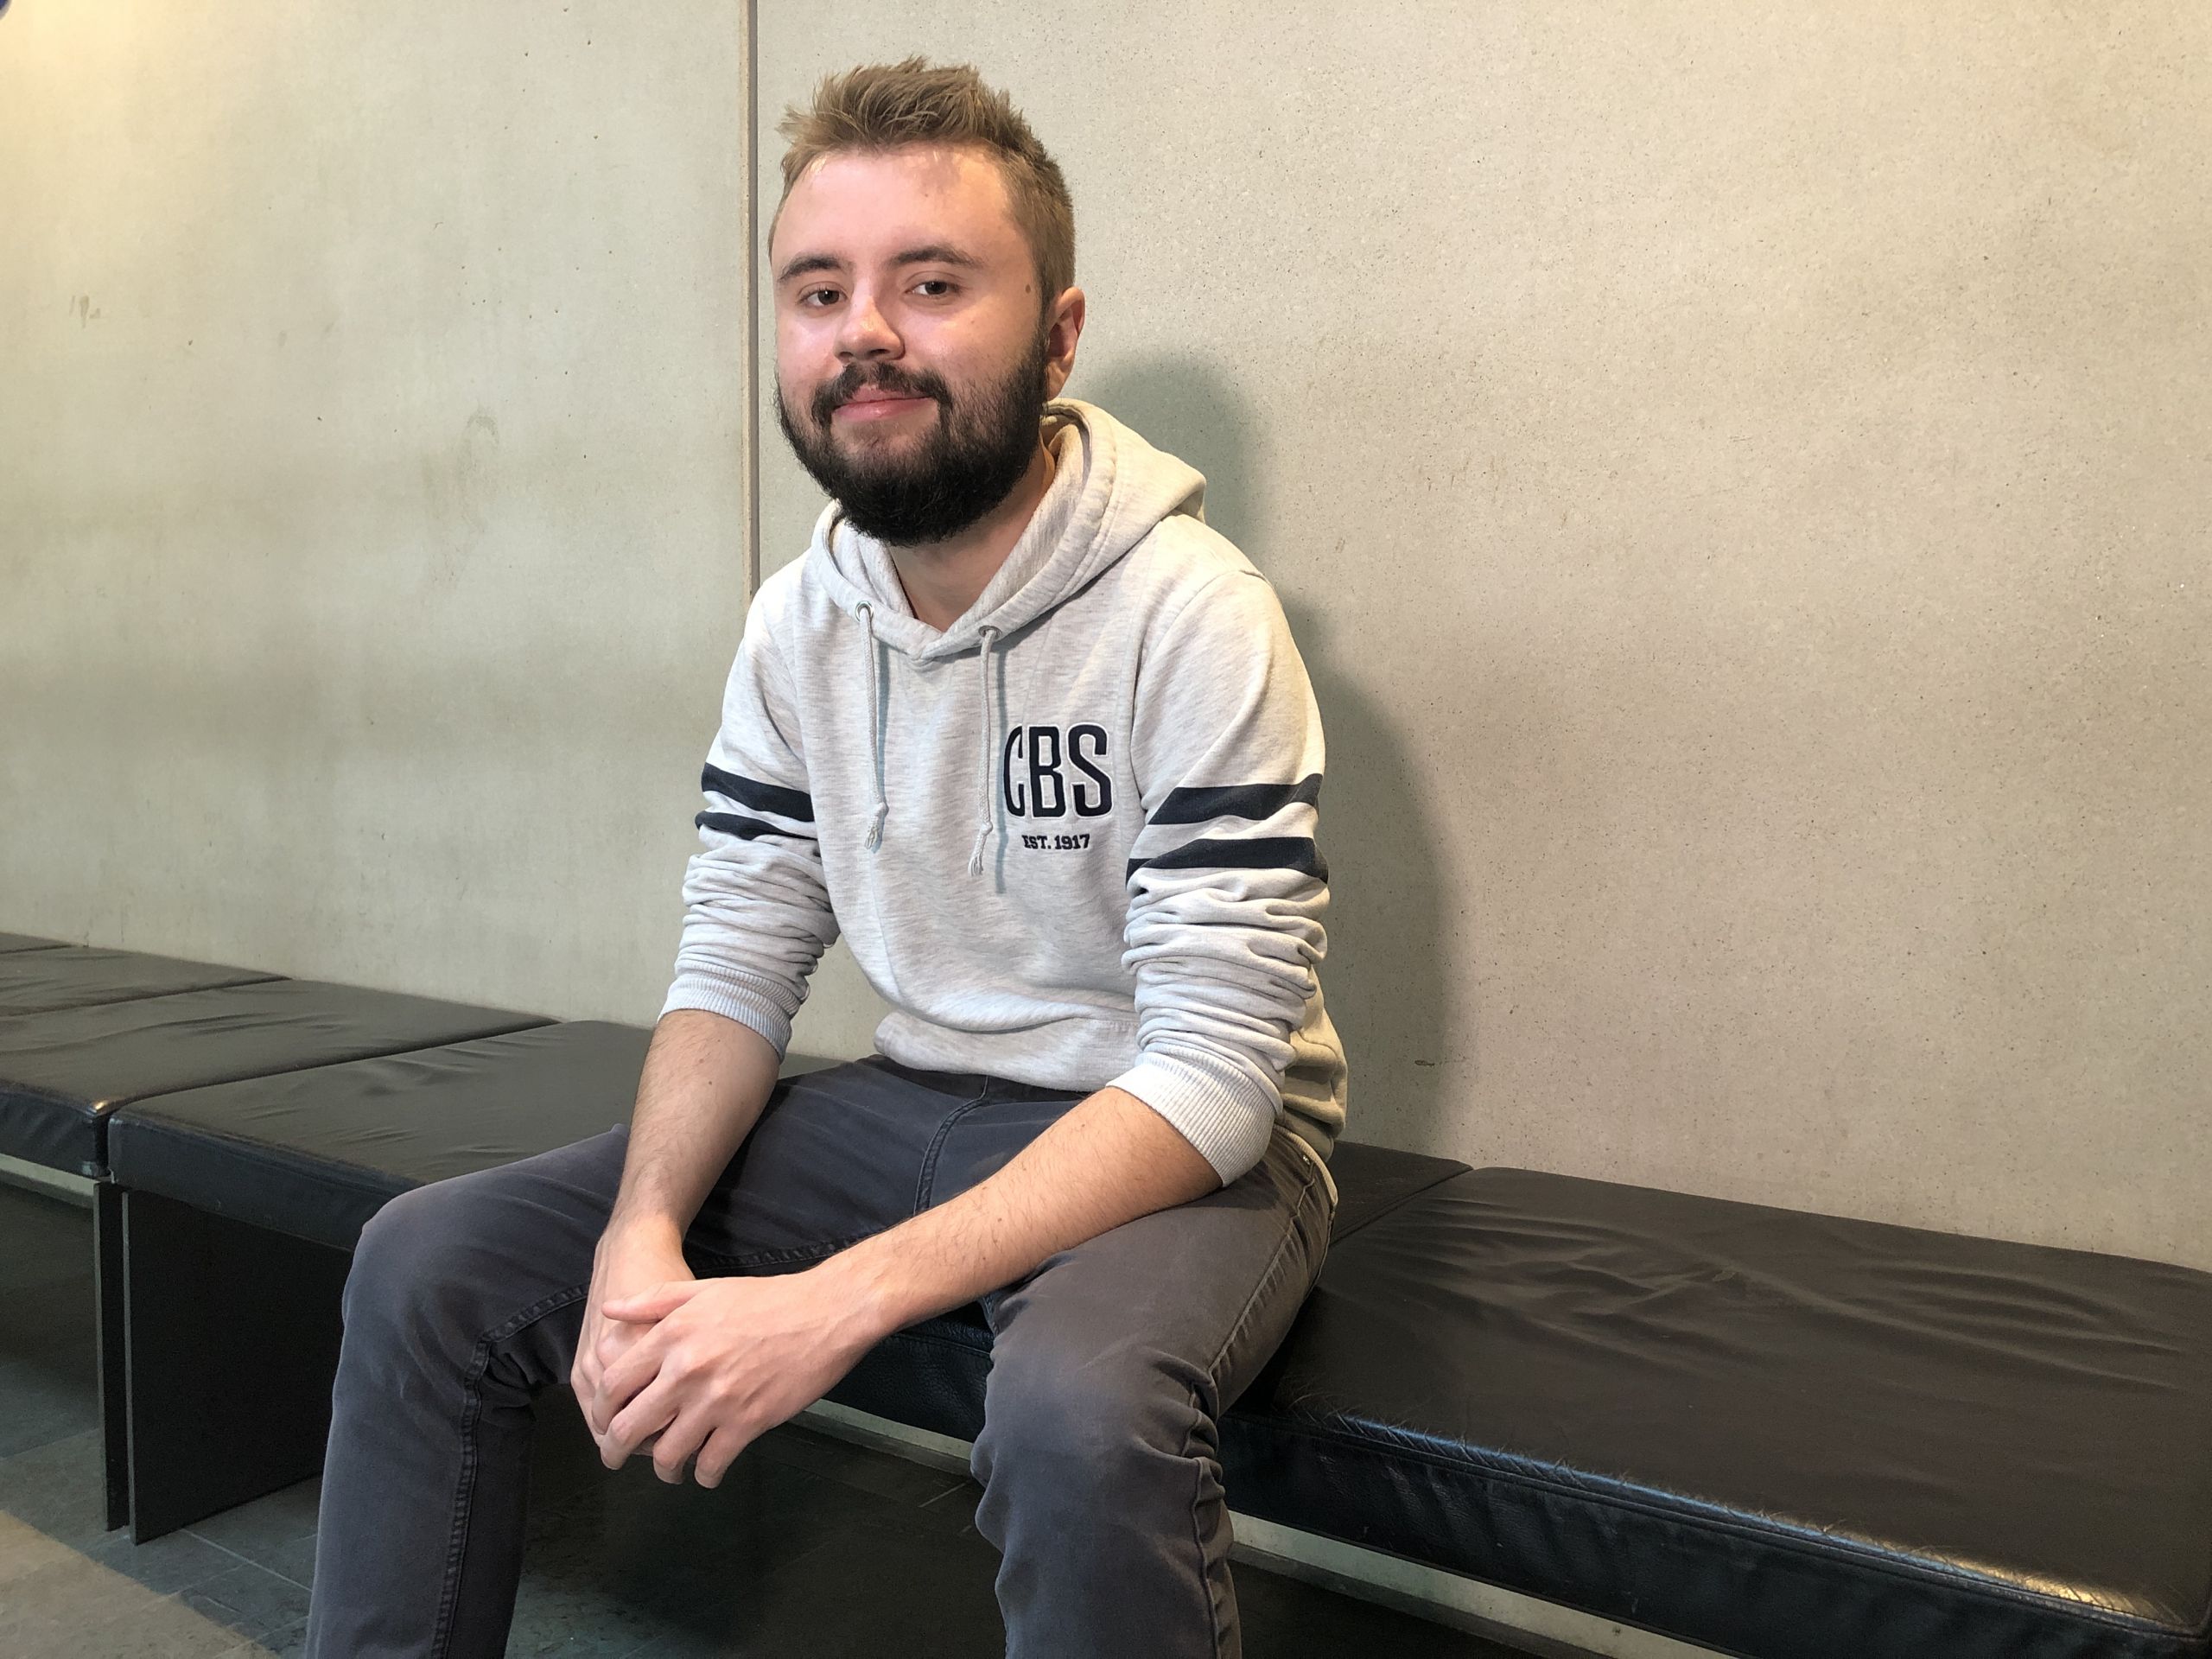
865	334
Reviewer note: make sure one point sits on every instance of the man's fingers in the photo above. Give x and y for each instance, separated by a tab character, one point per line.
637	1364
614	1341
678	1442
655	1304
595	1355
598	1413
720	1452
584	1372
637	1422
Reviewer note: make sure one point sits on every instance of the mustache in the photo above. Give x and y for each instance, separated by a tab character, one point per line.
832	394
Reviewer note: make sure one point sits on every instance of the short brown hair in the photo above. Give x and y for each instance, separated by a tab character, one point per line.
882	106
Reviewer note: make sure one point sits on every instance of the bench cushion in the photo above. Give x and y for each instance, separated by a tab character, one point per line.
1752	1428
79	976
931	1375
61	1074
316	1154
1761	1430
11	943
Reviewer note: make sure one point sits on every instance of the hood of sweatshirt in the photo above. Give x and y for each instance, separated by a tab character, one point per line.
1110	489
1069	840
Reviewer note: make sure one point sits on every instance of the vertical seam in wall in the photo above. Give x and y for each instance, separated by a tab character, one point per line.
752	300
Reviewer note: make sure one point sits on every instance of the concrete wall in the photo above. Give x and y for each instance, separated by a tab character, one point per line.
372	416
1739	474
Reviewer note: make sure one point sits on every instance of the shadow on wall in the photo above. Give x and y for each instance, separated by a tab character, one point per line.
1385	976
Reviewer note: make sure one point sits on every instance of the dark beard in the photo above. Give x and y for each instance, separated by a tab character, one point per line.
969	463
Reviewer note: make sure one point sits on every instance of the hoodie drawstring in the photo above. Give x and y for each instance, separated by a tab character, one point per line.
874	737
988	637
988	642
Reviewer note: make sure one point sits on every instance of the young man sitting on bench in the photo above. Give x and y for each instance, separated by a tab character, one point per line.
1039	743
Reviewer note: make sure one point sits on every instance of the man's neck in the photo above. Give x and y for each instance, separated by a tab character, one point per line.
944	579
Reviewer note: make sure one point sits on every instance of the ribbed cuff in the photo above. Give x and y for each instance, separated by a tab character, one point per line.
1228	1119
746	1007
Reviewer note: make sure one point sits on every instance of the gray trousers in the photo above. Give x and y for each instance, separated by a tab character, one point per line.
1110	1365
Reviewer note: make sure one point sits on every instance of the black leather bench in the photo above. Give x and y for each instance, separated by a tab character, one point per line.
64	1072
241	1204
78	975
1763	1432
1767	1432
313	1155
211	1176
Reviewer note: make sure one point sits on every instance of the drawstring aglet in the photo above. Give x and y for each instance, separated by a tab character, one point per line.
875	825
975	858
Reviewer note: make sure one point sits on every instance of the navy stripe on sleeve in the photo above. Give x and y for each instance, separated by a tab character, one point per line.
761	798
1254	801
1259	853
744	828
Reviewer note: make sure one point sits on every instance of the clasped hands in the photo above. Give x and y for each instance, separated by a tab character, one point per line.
698	1369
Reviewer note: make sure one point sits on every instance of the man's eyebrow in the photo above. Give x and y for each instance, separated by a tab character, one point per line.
929	253
807	263
936	253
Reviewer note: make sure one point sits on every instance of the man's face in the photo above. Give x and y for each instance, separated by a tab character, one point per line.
914	354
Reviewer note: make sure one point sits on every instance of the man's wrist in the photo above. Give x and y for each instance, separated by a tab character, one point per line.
642	1228
863	1279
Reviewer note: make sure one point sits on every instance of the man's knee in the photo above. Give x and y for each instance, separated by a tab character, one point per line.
1084	1428
417	1267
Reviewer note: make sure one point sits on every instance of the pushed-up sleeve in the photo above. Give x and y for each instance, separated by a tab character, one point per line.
757	916
1227	886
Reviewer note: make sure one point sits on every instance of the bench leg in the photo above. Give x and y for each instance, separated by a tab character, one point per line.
107	1283
231	1335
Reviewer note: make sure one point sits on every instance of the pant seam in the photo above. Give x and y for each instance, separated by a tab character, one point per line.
924	1186
1268	1276
783	1257
1198	1540
465	1487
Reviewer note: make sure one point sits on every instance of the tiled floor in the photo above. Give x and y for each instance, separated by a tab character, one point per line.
812	1549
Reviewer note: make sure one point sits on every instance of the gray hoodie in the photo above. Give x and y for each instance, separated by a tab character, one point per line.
1070	839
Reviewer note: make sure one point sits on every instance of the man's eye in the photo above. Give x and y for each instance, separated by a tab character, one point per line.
818	296
932	288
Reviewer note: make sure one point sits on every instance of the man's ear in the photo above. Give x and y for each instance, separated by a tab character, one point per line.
1062	330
